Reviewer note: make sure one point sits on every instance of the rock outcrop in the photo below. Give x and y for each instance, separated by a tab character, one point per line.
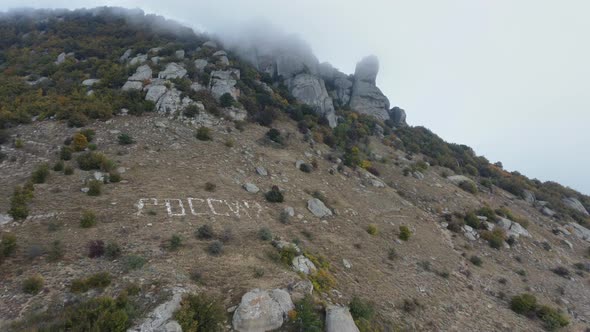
339	319
224	81
311	90
575	204
161	318
262	310
366	97
142	73
304	265
173	70
318	208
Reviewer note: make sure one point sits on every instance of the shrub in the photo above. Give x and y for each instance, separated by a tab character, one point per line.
226	236
191	111
201	312
175	242
274	195
360	309
68	170
287	254
265	234
229	143
203	134
56	251
95	248
33	285
34	251
94	188
88	219
284	217
97	280
468	186
19	203
205	232
306	168
40	174
306	318
99	314
472	220
322	280
561	271
495	238
79	142
93	160
125	139
65	153
410	305
133	262
210	186
552	318
112	250
58	166
8	244
88	133
391	254
19	143
475	260
524	304
275	136
226	100
215	248
404	233
372	229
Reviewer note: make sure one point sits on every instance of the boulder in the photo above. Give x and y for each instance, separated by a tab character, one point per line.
311	90
143	72
132	85
155	92
179	54
529	196
200	64
290	64
580	231
171	102
318	208
290	211
160	319
125	55
512	228
5	219
367	69
261	310
346	263
303	264
173	70
342	89
90	82
261	171
224	81
547	211
210	44
339	319
300	289
368	99
138	60
198	87
575	204
155	60
251	188
235	114
60	58
457	179
398	117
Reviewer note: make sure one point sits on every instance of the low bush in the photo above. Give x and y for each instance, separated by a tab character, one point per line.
114	177
98	314
495	238
34	251
322	280
88	133
133	262
125	139
284	217
391	254
79	142
210	187
201	312
372	229
68	170
411	305
552	318
95	248
97	280
56	251
265	234
65	153
215	248
88	219
8	244
58	166
468	186
112	250
33	285
226	100
203	134
21	196
361	309
94	188
287	254
274	195
526	305
174	243
275	136
476	260
305	317
306	168
404	233
561	271
40	173
94	160
205	232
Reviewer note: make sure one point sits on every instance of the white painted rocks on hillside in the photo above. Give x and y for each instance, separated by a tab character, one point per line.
251	188
318	208
173	70
575	204
262	310
339	319
303	264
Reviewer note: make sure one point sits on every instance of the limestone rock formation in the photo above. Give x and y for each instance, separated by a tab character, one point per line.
339	319
318	208
575	204
311	90
143	72
173	70
366	97
303	264
132	85
224	81
262	310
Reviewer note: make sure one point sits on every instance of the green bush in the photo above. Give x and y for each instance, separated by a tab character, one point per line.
94	188
468	186
125	139
476	260
112	250
404	233
93	160
19	209
33	285
524	304
56	251
133	262
226	100
472	220
287	254
40	174
8	244
88	133
275	136
265	234
99	314
201	312
114	177
215	248
205	232
174	243
360	309
274	195
372	229
98	280
495	238
306	318
553	319
79	142
88	219
58	166
65	153
322	280
203	134
210	187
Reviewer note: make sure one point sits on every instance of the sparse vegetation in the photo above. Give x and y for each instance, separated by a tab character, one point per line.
97	280
404	233
201	312
134	262
476	260
33	285
88	219
305	317
112	250
125	139
174	243
68	170
562	271
58	166
265	234
468	186
56	251
203	134
210	187
40	173
95	248
372	229
526	305
94	188
205	232
215	248
274	195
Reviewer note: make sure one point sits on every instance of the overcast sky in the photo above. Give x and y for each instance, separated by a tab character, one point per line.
509	78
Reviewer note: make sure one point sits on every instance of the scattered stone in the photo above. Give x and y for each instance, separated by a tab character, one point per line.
548	212
61	58
251	188
85	190
300	289
346	263
512	228
339	319
261	171
418	175
5	219
262	310
304	265
289	211
318	208
580	231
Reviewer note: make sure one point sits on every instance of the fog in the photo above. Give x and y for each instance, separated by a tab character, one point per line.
510	79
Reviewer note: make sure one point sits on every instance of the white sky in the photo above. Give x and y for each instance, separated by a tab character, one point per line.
509	78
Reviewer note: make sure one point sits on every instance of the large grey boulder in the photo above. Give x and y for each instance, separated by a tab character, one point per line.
529	196
398	117
342	89
262	310
367	69
575	204
161	318
548	212
172	103
143	72
513	228
125	55
339	319
318	208
61	58
224	81
303	264
90	82
368	99
138	59
200	64
179	54
132	85
155	92
311	90
173	70
580	231
291	64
